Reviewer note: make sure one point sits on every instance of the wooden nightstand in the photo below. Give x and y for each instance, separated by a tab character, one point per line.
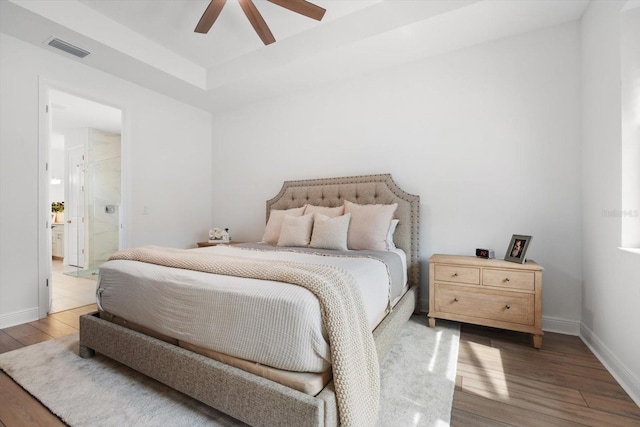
487	292
207	243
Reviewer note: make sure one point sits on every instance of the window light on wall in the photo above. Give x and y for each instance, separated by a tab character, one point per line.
630	123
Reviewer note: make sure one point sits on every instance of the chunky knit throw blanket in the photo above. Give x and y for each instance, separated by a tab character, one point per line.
353	353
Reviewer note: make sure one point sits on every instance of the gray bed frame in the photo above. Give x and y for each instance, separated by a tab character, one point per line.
240	394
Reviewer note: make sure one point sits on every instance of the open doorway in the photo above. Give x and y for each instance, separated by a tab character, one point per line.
85	159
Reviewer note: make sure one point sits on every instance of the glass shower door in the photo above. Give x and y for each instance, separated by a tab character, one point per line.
103	197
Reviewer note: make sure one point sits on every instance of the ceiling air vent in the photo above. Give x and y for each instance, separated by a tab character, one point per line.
68	47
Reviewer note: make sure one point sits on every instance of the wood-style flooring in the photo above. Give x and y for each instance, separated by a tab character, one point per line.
17	407
502	380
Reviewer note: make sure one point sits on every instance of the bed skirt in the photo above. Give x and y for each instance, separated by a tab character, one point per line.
247	397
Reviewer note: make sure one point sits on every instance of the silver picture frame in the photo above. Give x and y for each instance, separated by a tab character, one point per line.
517	248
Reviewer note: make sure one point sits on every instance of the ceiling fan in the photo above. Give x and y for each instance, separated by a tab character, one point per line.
257	21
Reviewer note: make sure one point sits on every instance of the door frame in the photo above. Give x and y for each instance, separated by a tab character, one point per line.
44	180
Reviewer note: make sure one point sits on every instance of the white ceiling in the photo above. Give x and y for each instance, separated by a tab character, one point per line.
171	24
152	42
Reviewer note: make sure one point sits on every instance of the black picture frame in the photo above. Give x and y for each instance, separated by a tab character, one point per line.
517	248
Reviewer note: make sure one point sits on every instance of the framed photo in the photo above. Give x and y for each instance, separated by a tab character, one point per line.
517	248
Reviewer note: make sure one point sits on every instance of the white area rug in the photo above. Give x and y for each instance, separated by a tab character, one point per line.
417	376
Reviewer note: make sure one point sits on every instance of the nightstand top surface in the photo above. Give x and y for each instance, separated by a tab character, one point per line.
216	243
483	262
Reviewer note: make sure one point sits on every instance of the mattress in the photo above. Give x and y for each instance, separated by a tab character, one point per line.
270	323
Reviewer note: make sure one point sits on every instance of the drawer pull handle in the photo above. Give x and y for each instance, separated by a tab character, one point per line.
454	275
507	279
455	300
507	306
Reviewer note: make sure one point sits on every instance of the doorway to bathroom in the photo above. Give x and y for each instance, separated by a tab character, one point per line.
85	160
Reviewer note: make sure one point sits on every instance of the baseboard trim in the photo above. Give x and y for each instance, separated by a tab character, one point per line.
19	317
619	371
561	326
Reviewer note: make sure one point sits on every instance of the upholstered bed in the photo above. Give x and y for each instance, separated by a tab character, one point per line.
237	389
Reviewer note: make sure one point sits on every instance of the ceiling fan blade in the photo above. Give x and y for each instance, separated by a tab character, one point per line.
302	7
209	16
257	21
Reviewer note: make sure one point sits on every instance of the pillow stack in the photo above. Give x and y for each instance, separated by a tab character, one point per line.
351	226
274	225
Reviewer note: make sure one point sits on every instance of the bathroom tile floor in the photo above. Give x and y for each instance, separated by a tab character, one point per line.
68	291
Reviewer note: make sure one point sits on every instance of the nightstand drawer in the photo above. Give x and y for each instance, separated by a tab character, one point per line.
457	274
524	280
513	307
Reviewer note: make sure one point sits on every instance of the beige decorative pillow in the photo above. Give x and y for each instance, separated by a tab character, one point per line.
326	211
272	230
295	231
369	225
330	233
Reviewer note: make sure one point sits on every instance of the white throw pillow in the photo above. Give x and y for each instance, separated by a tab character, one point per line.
392	229
369	225
295	231
330	233
324	210
272	230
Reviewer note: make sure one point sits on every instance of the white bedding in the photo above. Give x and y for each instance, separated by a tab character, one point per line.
272	323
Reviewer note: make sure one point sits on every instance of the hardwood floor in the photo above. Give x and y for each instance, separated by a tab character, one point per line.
501	380
17	407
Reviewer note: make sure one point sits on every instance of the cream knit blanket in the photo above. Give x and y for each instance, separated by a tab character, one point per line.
353	353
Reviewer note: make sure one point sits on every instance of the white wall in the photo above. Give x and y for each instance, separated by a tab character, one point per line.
611	291
167	152
487	136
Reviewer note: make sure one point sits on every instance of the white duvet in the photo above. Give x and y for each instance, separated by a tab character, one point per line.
272	323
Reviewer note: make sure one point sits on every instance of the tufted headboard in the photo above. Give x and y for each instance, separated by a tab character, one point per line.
364	190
